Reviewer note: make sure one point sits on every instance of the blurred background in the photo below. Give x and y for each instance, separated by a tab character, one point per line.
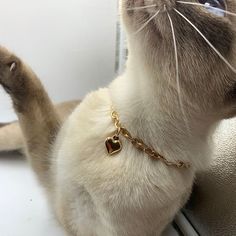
71	45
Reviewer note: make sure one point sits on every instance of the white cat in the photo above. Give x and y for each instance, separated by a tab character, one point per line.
178	84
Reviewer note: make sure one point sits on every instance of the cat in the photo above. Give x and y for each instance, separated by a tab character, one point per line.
179	83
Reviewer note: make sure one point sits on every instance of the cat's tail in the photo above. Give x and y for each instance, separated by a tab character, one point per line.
11	137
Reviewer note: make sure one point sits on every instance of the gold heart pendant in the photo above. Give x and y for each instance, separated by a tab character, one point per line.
113	145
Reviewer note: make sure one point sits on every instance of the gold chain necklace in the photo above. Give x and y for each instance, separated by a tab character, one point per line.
114	145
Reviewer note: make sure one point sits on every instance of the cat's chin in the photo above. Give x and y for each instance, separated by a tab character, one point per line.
139	18
160	4
138	22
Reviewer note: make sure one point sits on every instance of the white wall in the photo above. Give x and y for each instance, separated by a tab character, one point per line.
69	43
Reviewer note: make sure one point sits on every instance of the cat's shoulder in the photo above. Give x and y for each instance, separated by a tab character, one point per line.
91	118
95	104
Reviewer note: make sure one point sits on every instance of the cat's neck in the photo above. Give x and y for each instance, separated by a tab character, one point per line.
151	112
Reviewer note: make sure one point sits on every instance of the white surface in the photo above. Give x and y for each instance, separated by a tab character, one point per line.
23	206
70	44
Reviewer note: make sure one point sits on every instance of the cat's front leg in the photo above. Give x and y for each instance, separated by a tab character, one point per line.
38	118
19	81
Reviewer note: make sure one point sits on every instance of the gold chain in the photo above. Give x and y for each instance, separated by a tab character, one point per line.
140	145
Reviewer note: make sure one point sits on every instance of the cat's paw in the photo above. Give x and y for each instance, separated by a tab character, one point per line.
10	72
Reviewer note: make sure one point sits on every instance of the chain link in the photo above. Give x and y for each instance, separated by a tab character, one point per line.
140	145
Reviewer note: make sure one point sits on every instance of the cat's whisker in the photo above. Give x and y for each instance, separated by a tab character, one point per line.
202	5
147	22
141	8
207	41
177	74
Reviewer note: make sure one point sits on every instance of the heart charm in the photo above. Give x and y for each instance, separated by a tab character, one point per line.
113	145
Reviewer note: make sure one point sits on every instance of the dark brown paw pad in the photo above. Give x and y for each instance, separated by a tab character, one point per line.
10	75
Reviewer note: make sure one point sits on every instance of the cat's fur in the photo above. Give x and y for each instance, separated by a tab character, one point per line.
11	136
129	194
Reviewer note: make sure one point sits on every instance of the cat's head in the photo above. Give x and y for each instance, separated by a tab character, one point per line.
205	37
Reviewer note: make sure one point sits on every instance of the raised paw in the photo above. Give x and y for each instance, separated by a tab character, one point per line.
11	74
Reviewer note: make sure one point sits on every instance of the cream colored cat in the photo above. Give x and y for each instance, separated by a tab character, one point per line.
179	83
